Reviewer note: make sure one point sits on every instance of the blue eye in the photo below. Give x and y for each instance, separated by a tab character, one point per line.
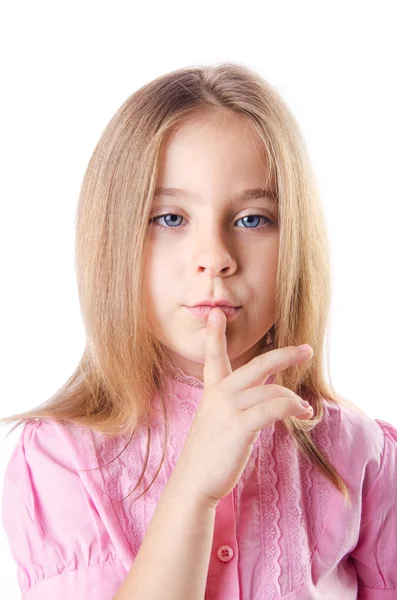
155	219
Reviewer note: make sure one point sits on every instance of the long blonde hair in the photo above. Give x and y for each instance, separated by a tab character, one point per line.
123	365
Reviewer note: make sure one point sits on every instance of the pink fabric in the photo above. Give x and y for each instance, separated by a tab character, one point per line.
282	532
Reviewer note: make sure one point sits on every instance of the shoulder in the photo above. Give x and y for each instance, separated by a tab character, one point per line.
361	441
67	444
48	429
56	518
46	463
355	427
374	554
45	460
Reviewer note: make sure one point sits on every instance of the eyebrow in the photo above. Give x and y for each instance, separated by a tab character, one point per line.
251	194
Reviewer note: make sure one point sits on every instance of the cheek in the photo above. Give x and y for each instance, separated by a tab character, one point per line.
160	281
153	283
261	271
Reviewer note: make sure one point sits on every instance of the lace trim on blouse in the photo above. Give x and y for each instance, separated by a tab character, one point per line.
180	376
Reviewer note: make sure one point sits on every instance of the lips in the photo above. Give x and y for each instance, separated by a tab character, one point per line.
204	310
221	302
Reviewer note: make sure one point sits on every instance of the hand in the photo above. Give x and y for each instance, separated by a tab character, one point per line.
234	408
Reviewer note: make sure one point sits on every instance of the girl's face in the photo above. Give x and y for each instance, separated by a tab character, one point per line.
212	243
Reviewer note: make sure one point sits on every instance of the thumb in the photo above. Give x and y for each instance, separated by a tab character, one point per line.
216	360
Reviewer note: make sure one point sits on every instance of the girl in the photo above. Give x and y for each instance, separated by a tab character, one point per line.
200	193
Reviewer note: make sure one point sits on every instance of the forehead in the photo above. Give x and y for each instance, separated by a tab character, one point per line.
206	154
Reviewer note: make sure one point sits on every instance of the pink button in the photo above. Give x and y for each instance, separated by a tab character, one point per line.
225	553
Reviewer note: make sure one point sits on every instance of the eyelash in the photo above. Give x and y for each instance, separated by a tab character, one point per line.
163	227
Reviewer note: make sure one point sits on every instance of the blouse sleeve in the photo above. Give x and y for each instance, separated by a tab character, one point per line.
375	556
60	545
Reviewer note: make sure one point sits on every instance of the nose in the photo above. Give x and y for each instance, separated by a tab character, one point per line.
212	255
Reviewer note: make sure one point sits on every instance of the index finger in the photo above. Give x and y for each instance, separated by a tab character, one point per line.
216	360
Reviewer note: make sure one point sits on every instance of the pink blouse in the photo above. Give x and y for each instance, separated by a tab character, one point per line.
283	531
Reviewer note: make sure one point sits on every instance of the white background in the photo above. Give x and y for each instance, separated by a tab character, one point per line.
67	67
